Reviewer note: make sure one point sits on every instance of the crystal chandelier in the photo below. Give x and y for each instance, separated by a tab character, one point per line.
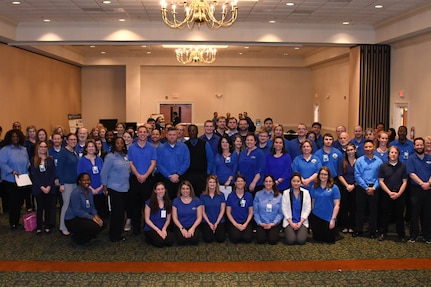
196	54
197	12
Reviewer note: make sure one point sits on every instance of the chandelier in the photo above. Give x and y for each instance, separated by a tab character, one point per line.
197	12
196	54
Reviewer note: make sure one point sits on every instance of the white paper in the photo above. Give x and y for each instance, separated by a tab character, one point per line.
23	180
226	190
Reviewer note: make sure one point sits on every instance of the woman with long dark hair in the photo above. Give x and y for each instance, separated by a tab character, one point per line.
158	213
279	164
325	202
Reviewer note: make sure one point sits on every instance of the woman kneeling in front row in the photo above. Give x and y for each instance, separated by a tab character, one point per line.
267	212
81	217
296	209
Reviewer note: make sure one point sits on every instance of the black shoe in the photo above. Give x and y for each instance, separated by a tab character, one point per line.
13	227
413	239
118	239
381	237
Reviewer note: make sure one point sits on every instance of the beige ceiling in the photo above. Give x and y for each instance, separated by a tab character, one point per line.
304	12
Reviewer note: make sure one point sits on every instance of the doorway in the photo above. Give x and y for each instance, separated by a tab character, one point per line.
177	113
401	115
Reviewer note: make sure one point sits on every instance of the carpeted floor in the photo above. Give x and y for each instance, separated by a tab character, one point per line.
27	259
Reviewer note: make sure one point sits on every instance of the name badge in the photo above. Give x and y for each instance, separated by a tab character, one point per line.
87	203
80	154
406	155
163	213
42	168
325	158
268	207
242	202
55	162
227	160
126	159
95	169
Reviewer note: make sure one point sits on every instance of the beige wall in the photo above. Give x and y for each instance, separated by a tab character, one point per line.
330	84
103	94
37	90
280	93
411	73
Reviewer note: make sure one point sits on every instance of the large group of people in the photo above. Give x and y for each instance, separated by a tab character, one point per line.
232	182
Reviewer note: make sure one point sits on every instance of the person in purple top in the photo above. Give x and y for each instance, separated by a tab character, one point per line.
279	164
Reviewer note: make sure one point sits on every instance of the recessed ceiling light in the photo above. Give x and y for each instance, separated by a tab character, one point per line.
246	47
16	2
46	20
106	2
290	4
148	52
103	52
296	48
240	53
122	20
272	21
143	46
285	54
92	46
378	6
346	23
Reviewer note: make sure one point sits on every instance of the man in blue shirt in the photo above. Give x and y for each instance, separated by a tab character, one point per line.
403	144
419	171
201	160
142	159
358	140
210	137
367	177
329	156
173	161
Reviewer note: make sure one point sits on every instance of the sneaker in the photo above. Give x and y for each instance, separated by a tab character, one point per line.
128	226
413	239
381	237
428	241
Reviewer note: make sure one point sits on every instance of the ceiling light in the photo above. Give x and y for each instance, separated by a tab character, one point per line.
148	52
290	4
143	46
197	12
296	48
378	6
121	20
196	54
92	46
16	2
272	21
246	47
103	52
285	54
106	2
46	20
346	23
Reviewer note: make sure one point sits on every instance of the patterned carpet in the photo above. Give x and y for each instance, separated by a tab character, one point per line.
20	246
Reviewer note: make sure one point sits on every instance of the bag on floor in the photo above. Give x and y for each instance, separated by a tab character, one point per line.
29	220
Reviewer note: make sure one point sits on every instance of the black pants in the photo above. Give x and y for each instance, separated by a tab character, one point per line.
101	205
15	196
55	197
198	181
172	187
420	210
321	231
271	235
3	195
235	235
209	236
43	201
363	200
82	229
118	207
137	195
347	213
153	238
394	208
194	240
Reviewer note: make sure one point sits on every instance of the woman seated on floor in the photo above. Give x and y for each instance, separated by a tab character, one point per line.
239	211
187	215
296	208
158	211
81	217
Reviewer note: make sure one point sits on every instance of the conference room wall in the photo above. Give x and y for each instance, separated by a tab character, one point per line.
411	74
37	90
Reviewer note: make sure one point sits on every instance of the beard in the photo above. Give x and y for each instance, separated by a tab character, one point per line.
420	151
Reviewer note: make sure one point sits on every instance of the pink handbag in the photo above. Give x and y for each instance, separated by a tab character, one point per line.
29	220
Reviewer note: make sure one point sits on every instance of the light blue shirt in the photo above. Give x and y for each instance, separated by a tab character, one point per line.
116	172
13	158
367	171
330	159
267	208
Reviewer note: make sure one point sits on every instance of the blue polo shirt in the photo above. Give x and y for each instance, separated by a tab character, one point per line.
330	159
225	167
85	165
156	218
187	213
213	142
406	149
239	211
294	148
212	206
420	167
252	164
142	156
306	168
324	201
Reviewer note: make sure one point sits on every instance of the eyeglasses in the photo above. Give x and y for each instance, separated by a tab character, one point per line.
324	174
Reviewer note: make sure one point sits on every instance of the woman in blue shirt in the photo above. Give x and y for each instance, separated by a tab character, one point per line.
296	206
186	215
226	162
306	164
157	213
81	216
267	212
92	164
13	163
239	211
115	179
279	164
214	205
42	170
251	164
325	202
